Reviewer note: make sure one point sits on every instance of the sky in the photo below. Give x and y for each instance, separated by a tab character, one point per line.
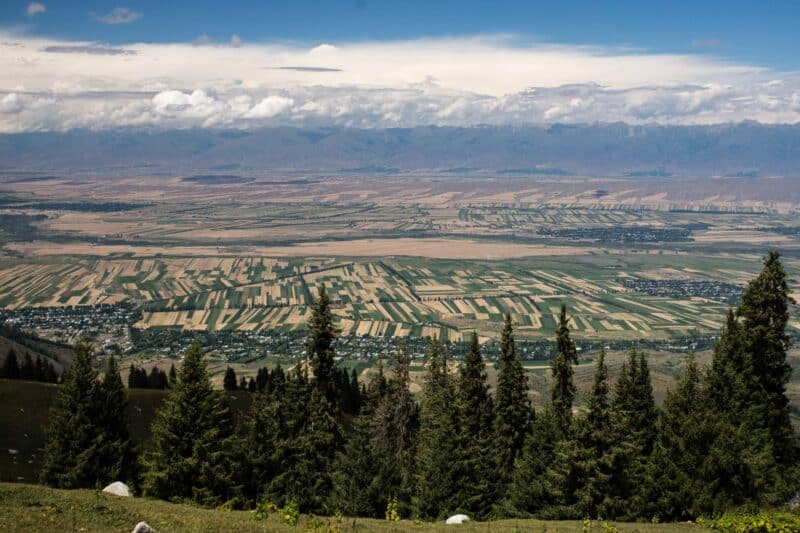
369	63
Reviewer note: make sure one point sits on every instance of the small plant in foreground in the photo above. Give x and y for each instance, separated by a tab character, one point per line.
392	510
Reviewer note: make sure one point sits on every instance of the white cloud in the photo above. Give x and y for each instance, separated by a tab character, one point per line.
270	107
34	8
119	15
459	82
10	103
236	41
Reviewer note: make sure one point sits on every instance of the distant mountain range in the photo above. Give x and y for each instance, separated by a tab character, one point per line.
615	150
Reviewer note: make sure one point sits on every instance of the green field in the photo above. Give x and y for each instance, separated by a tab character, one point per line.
33	508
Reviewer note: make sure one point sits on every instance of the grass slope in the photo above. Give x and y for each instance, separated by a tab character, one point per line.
33	508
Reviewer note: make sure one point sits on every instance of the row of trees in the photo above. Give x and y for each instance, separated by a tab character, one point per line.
138	378
39	370
723	437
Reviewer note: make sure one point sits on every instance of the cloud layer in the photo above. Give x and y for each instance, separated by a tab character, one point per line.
49	84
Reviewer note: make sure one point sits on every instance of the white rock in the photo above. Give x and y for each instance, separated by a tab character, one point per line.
143	527
457	519
118	488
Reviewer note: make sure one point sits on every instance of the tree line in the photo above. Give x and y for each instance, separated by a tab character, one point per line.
722	438
39	370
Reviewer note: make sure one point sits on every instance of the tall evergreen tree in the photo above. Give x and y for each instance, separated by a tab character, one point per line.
596	441
229	382
562	392
191	453
115	449
512	407
634	418
173	376
765	312
435	483
27	371
477	485
319	344
72	455
10	366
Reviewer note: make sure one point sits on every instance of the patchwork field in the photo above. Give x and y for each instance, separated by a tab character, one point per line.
401	255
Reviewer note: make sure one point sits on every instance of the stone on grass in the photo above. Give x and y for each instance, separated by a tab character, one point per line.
118	488
457	519
143	527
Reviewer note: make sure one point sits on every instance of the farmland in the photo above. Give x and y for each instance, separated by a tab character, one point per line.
402	256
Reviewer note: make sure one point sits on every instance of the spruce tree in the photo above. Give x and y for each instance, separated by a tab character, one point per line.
230	382
513	411
595	439
634	418
434	478
477	484
191	452
765	312
27	371
72	453
562	392
115	449
319	344
357	487
173	376
10	366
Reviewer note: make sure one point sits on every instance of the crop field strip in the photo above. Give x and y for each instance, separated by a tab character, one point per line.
388	296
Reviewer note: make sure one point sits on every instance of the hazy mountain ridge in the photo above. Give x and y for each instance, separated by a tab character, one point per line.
745	149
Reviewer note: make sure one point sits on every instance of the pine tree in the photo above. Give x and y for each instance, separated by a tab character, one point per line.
173	376
230	382
72	456
634	418
765	312
395	425
27	371
319	345
596	441
434	478
115	450
513	411
477	485
530	492
10	366
563	389
191	452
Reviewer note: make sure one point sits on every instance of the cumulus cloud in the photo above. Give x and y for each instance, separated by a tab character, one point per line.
236	41
10	103
34	8
269	107
458	82
119	15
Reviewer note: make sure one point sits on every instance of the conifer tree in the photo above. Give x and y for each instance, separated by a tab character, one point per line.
476	473
191	452
512	407
634	418
530	491
173	376
434	478
319	344
357	487
72	457
765	312
595	439
563	389
27	371
230	382
10	366
115	449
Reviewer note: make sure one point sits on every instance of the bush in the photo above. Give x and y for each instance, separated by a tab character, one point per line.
765	521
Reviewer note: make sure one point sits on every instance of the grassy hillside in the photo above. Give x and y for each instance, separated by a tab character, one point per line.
25	405
33	508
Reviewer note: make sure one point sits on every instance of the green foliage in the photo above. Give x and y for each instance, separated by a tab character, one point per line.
512	407
87	437
392	510
229	382
562	393
762	522
435	481
191	455
319	345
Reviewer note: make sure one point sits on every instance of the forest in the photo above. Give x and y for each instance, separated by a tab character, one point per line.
315	440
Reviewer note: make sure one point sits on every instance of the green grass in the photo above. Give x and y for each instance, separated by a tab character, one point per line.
34	508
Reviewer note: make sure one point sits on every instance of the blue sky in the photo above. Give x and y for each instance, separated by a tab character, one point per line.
369	63
762	32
